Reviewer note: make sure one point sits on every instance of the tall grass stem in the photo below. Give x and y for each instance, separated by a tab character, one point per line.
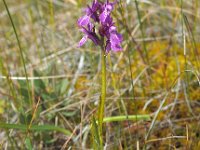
20	49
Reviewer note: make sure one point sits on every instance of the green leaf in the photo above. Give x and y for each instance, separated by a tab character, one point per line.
25	118
69	114
39	84
63	86
28	144
38	128
24	90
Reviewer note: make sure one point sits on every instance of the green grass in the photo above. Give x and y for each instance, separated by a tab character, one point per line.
50	89
36	128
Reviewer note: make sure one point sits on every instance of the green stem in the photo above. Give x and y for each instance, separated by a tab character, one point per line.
126	118
142	31
21	51
103	94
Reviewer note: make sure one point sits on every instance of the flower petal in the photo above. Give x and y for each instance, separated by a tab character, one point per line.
90	27
116	38
83	21
94	38
112	29
103	16
116	47
82	41
95	5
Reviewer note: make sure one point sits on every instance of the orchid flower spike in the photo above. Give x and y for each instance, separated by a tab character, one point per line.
100	13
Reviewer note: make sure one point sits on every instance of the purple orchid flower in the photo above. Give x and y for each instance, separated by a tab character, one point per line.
89	34
107	8
104	29
100	13
114	41
84	21
93	11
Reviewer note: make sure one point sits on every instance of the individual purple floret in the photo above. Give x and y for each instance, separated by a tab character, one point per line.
89	33
93	11
114	41
84	21
104	29
107	8
100	13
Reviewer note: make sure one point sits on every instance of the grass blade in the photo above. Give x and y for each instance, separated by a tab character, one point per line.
38	128
126	118
20	49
